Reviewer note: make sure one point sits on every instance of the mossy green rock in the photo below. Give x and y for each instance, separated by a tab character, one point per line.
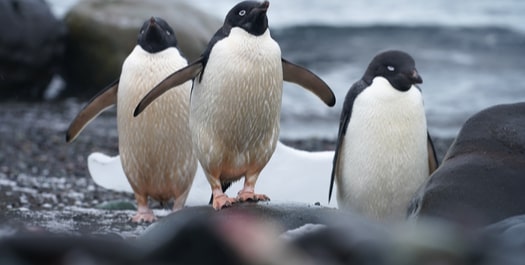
102	33
117	205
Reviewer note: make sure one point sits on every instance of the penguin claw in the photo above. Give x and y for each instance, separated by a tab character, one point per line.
222	201
244	196
144	217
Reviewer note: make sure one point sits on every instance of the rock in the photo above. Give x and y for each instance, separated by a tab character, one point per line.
116	205
31	48
42	248
268	233
482	176
262	233
431	242
102	33
286	216
505	241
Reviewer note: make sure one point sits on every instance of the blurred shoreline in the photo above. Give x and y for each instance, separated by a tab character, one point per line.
469	54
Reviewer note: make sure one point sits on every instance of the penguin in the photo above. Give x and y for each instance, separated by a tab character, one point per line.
155	149
383	151
236	100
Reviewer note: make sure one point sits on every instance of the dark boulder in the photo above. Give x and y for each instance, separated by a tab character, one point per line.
31	48
482	176
102	34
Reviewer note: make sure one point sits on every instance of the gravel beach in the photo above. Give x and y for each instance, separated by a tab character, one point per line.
44	182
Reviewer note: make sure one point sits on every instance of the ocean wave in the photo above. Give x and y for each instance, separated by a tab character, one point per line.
468	13
450	13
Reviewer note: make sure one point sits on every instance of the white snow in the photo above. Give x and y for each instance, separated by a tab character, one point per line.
300	231
292	175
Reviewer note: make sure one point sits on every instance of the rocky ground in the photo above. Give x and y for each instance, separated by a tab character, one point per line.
45	190
44	182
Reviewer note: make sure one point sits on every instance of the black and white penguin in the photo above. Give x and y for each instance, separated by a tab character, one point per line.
155	149
383	152
236	100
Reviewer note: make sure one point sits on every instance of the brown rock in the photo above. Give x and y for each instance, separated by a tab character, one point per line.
102	33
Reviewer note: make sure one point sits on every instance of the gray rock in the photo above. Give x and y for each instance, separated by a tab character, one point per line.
102	33
510	230
483	173
264	233
31	48
116	205
286	216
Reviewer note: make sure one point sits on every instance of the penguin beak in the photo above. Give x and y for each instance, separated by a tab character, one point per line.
263	7
415	77
153	27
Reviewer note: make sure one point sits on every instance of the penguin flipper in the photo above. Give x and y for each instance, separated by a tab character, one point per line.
305	78
100	102
346	113
179	77
432	158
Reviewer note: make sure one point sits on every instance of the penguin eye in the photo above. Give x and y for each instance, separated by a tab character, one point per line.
390	68
242	13
142	32
168	32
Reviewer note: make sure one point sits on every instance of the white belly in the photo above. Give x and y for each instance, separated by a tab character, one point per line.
235	110
384	152
155	146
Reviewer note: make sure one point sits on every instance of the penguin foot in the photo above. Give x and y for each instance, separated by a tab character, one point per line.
144	217
222	201
251	196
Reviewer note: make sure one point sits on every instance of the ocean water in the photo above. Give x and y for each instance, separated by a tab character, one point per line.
470	53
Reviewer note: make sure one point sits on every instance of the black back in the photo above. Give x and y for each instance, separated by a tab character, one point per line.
156	35
348	104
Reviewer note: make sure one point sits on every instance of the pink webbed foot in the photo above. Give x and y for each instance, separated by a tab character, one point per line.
243	196
144	217
222	201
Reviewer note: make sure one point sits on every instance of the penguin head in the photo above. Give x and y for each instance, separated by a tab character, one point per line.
156	35
397	67
248	15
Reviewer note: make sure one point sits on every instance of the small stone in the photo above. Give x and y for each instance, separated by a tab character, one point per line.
116	205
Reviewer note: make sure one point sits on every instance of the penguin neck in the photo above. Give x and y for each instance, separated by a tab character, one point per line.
382	90
169	56
141	70
247	48
238	32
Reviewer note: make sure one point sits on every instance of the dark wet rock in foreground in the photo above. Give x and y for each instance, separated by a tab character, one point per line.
482	177
267	233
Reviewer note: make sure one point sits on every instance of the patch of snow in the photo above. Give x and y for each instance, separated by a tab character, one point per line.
54	88
300	231
7	231
6	182
25	190
292	175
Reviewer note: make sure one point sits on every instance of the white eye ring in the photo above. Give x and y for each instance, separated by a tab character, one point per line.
390	68
242	13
